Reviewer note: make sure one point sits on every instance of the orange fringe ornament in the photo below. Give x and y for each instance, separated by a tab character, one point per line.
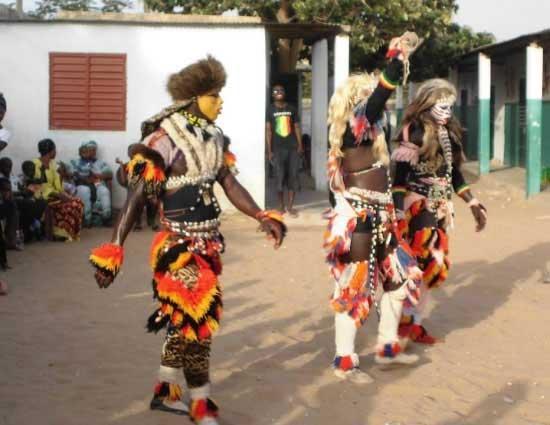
156	246
202	408
108	257
196	301
230	161
140	168
272	214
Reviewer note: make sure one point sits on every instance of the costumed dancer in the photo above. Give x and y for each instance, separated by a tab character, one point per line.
180	158
427	170
360	239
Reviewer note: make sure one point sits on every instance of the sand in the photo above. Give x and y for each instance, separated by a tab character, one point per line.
73	354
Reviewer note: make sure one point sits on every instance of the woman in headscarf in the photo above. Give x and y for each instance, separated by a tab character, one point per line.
64	213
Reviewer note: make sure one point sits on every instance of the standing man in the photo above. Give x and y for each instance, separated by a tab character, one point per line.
284	146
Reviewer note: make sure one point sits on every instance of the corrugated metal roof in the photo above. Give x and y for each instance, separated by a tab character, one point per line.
506	47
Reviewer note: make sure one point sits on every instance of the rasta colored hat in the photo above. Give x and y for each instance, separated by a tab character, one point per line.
197	79
45	146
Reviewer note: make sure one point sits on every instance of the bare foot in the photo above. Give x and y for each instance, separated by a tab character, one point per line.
292	212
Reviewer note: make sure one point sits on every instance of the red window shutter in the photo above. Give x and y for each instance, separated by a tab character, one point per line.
88	91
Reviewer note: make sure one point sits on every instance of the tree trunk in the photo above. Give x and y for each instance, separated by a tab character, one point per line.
288	50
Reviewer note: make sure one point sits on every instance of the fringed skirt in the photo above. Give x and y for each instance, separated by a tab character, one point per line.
355	282
430	244
185	282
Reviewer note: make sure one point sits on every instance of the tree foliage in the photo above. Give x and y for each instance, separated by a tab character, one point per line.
373	23
49	8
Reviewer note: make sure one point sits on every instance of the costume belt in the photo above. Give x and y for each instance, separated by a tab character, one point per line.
207	229
366	196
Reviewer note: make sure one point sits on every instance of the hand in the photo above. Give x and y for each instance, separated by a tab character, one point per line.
118	161
103	279
270	156
480	216
300	150
62	196
274	229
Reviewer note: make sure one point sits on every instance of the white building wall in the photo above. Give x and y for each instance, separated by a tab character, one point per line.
153	52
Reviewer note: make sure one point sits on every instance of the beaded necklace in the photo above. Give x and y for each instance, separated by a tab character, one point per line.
194	120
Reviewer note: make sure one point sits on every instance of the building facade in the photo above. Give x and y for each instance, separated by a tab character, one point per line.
98	76
504	103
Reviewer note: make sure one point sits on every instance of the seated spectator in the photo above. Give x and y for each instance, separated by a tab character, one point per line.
151	205
29	203
29	210
8	208
92	177
64	212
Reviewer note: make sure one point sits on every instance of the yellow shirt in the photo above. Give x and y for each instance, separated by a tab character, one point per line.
53	179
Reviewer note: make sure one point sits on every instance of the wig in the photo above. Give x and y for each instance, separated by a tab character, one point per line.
197	79
430	93
354	90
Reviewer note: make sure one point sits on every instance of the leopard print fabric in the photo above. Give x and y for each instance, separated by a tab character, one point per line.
192	357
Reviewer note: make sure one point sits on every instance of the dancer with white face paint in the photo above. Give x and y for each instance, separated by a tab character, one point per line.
427	170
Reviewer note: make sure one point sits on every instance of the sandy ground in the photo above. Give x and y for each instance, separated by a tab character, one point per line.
73	354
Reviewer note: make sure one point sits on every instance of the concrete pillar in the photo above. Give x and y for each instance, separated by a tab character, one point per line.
319	109
534	75
398	106
341	59
484	114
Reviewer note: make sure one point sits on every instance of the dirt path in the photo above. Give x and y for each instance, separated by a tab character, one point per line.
72	354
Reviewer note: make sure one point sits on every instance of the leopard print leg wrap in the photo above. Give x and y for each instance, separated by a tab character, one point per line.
196	363
172	350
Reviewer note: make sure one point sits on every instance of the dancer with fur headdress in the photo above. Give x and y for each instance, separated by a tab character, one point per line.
181	156
361	241
427	171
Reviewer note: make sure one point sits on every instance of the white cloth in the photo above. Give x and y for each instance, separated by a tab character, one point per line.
5	135
345	330
391	306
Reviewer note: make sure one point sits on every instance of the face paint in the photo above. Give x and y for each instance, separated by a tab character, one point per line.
210	105
443	110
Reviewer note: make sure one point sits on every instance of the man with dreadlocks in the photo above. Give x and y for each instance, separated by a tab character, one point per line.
361	241
427	170
180	158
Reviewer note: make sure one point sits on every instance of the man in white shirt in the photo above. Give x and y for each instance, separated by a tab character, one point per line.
4	134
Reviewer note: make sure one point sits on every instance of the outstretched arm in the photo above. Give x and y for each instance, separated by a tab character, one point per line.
389	80
242	200
146	178
126	219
